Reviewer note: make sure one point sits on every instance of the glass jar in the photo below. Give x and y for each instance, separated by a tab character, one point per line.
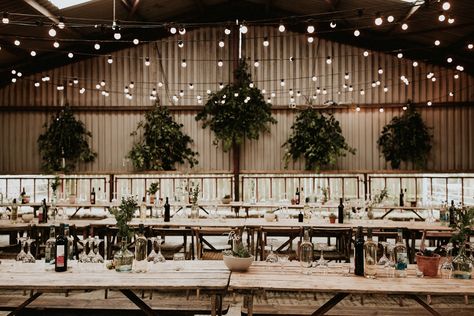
194	211
123	259
462	265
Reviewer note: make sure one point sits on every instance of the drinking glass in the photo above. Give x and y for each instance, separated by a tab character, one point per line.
29	258
178	259
152	255
283	260
95	247
384	259
271	257
159	256
390	265
446	269
22	254
321	263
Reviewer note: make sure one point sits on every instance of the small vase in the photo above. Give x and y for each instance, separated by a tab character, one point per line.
194	211
462	265
123	259
370	213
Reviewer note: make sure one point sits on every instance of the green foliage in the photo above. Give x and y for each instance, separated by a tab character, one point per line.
406	138
66	137
163	143
464	223
318	138
123	215
55	183
378	198
236	111
240	251
153	188
195	194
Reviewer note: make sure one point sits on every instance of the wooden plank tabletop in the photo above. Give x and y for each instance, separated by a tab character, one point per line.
264	276
205	275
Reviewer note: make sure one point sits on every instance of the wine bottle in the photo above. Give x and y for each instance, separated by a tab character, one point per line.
359	252
167	210
22	196
14	214
306	253
61	251
401	256
92	197
452	214
370	256
143	210
306	211
401	201
50	249
44	212
300	217
340	212
140	263
297	196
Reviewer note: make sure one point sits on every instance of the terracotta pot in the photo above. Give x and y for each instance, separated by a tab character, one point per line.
428	265
152	199
332	220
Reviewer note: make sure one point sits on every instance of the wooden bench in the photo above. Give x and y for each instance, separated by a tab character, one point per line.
54	305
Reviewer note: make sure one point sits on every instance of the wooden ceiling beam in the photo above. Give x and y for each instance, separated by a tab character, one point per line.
38	7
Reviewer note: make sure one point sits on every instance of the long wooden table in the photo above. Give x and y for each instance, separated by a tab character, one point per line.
210	276
341	281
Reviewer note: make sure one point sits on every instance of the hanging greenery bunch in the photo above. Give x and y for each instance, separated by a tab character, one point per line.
318	138
237	111
406	138
163	143
65	143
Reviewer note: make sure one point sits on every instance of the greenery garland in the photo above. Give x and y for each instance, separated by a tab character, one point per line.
406	138
163	143
237	111
318	138
65	138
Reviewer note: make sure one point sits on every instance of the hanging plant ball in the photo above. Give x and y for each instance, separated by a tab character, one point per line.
316	137
65	143
406	138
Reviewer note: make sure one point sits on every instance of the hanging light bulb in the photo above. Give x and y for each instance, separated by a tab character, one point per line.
131	85
437	43
96	46
52	31
456	76
147	61
378	20
441	17
82	90
451	94
310	39
180	44
357	108
173	30
373	84
282	82
17	43
380	71
325	91
181	93
221	43
5	18
356	33
292	59
429	103
256	63
61	24
221	85
135	41
33	53
314	78
404	108
346	76
446	6
365	53
281	28
75	81
110	60
183	63
220	63
70	55
126	90
37	84
460	68
273	94
182	31
470	46
243	29
153	92
97	86
378	82
310	29
381	110
160	84
451	20
102	83
399	55
191	86
117	34
415	64
290	92
56	44
390	19
227	31
404	26
332	24
19	74
298	93
328	60
265	42
362	92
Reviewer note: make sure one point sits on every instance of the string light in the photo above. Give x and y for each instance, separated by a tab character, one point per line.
346	76
221	43
181	93
290	92
292	59
243	29
182	31
110	60
13	72
251	85
381	110
97	86
451	20
265	42
446	6
220	63
378	20
60	88
70	55
33	53
135	41
380	71
173	30
385	89
456	76
131	85
332	24
256	63
52	31
451	94
325	91
282	82
102	83
227	31
147	61
390	19
362	92
160	84
441	17
221	85
56	44
356	33
281	28
96	46
82	90
37	84
5	19
180	44
310	39
351	88
328	60
415	64
61	24
314	78
183	63
310	29
357	108
404	108
19	74
17	42
153	91
126	90
470	46
460	68
75	81
437	43
404	26
373	84
429	103
116	29
399	55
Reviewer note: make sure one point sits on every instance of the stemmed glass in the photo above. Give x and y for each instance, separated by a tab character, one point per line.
97	258
447	267
29	258
151	257
321	263
383	261
271	257
159	256
390	265
22	254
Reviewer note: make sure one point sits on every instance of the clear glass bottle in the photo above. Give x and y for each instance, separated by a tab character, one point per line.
123	258
14	213
306	211
400	256
462	265
143	210
50	249
140	263
70	244
370	256
306	254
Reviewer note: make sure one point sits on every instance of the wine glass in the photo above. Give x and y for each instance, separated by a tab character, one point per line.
383	261
22	254
29	258
283	260
159	256
151	257
321	263
271	257
447	267
97	258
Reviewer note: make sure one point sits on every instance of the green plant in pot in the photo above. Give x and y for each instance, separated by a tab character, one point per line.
406	139
123	258
428	262
152	189
462	263
226	199
239	257
332	218
317	137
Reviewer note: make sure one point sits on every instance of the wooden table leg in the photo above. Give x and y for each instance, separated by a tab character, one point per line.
425	306
330	304
213	304
137	301
248	303
25	303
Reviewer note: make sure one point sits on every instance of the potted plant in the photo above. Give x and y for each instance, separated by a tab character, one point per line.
270	215
123	258
226	199
406	138
332	218
152	189
194	199
318	138
462	263
428	262
239	258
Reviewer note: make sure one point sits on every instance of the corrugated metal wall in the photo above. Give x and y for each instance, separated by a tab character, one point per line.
452	126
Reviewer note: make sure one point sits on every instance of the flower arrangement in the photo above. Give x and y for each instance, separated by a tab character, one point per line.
124	214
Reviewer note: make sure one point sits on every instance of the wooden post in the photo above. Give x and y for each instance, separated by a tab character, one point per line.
235	146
